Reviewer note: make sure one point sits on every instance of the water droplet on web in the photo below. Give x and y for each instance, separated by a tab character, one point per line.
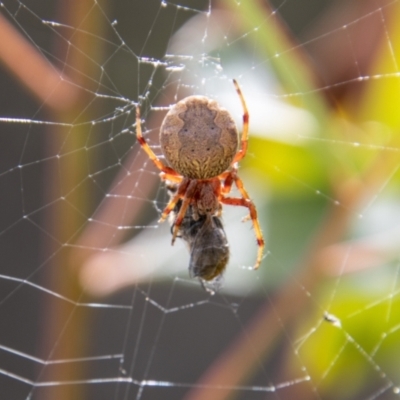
332	319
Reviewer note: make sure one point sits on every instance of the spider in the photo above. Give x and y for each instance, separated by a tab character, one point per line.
199	140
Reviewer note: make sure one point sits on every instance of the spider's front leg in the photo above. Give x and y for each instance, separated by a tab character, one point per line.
188	190
182	188
245	130
166	170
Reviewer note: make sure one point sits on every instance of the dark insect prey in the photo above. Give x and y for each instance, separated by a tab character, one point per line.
206	240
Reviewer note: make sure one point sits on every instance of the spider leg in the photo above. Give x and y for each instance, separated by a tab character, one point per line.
172	203
245	201
239	185
226	181
239	201
147	148
190	191
242	190
168	177
245	130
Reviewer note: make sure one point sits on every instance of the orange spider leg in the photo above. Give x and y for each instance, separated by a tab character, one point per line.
237	201
189	192
245	129
173	178
227	181
171	205
245	195
167	170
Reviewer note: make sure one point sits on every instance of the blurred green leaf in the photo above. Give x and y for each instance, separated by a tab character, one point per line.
293	170
352	351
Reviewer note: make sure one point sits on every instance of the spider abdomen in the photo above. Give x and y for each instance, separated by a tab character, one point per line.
198	138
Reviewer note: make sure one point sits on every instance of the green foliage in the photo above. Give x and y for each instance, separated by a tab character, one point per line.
361	350
355	151
291	170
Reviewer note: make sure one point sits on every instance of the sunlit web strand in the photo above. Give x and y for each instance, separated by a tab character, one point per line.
61	361
34	121
352	144
339	84
150	383
48	291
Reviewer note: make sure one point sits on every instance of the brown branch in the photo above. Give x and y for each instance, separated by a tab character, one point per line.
34	71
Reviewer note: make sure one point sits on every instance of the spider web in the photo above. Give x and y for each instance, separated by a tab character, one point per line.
94	301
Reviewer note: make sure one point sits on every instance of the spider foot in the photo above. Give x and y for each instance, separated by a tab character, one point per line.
260	243
246	218
162	218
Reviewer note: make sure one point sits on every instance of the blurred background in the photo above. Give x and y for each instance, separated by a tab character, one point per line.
95	303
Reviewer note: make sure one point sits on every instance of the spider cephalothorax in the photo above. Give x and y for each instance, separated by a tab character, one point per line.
200	142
